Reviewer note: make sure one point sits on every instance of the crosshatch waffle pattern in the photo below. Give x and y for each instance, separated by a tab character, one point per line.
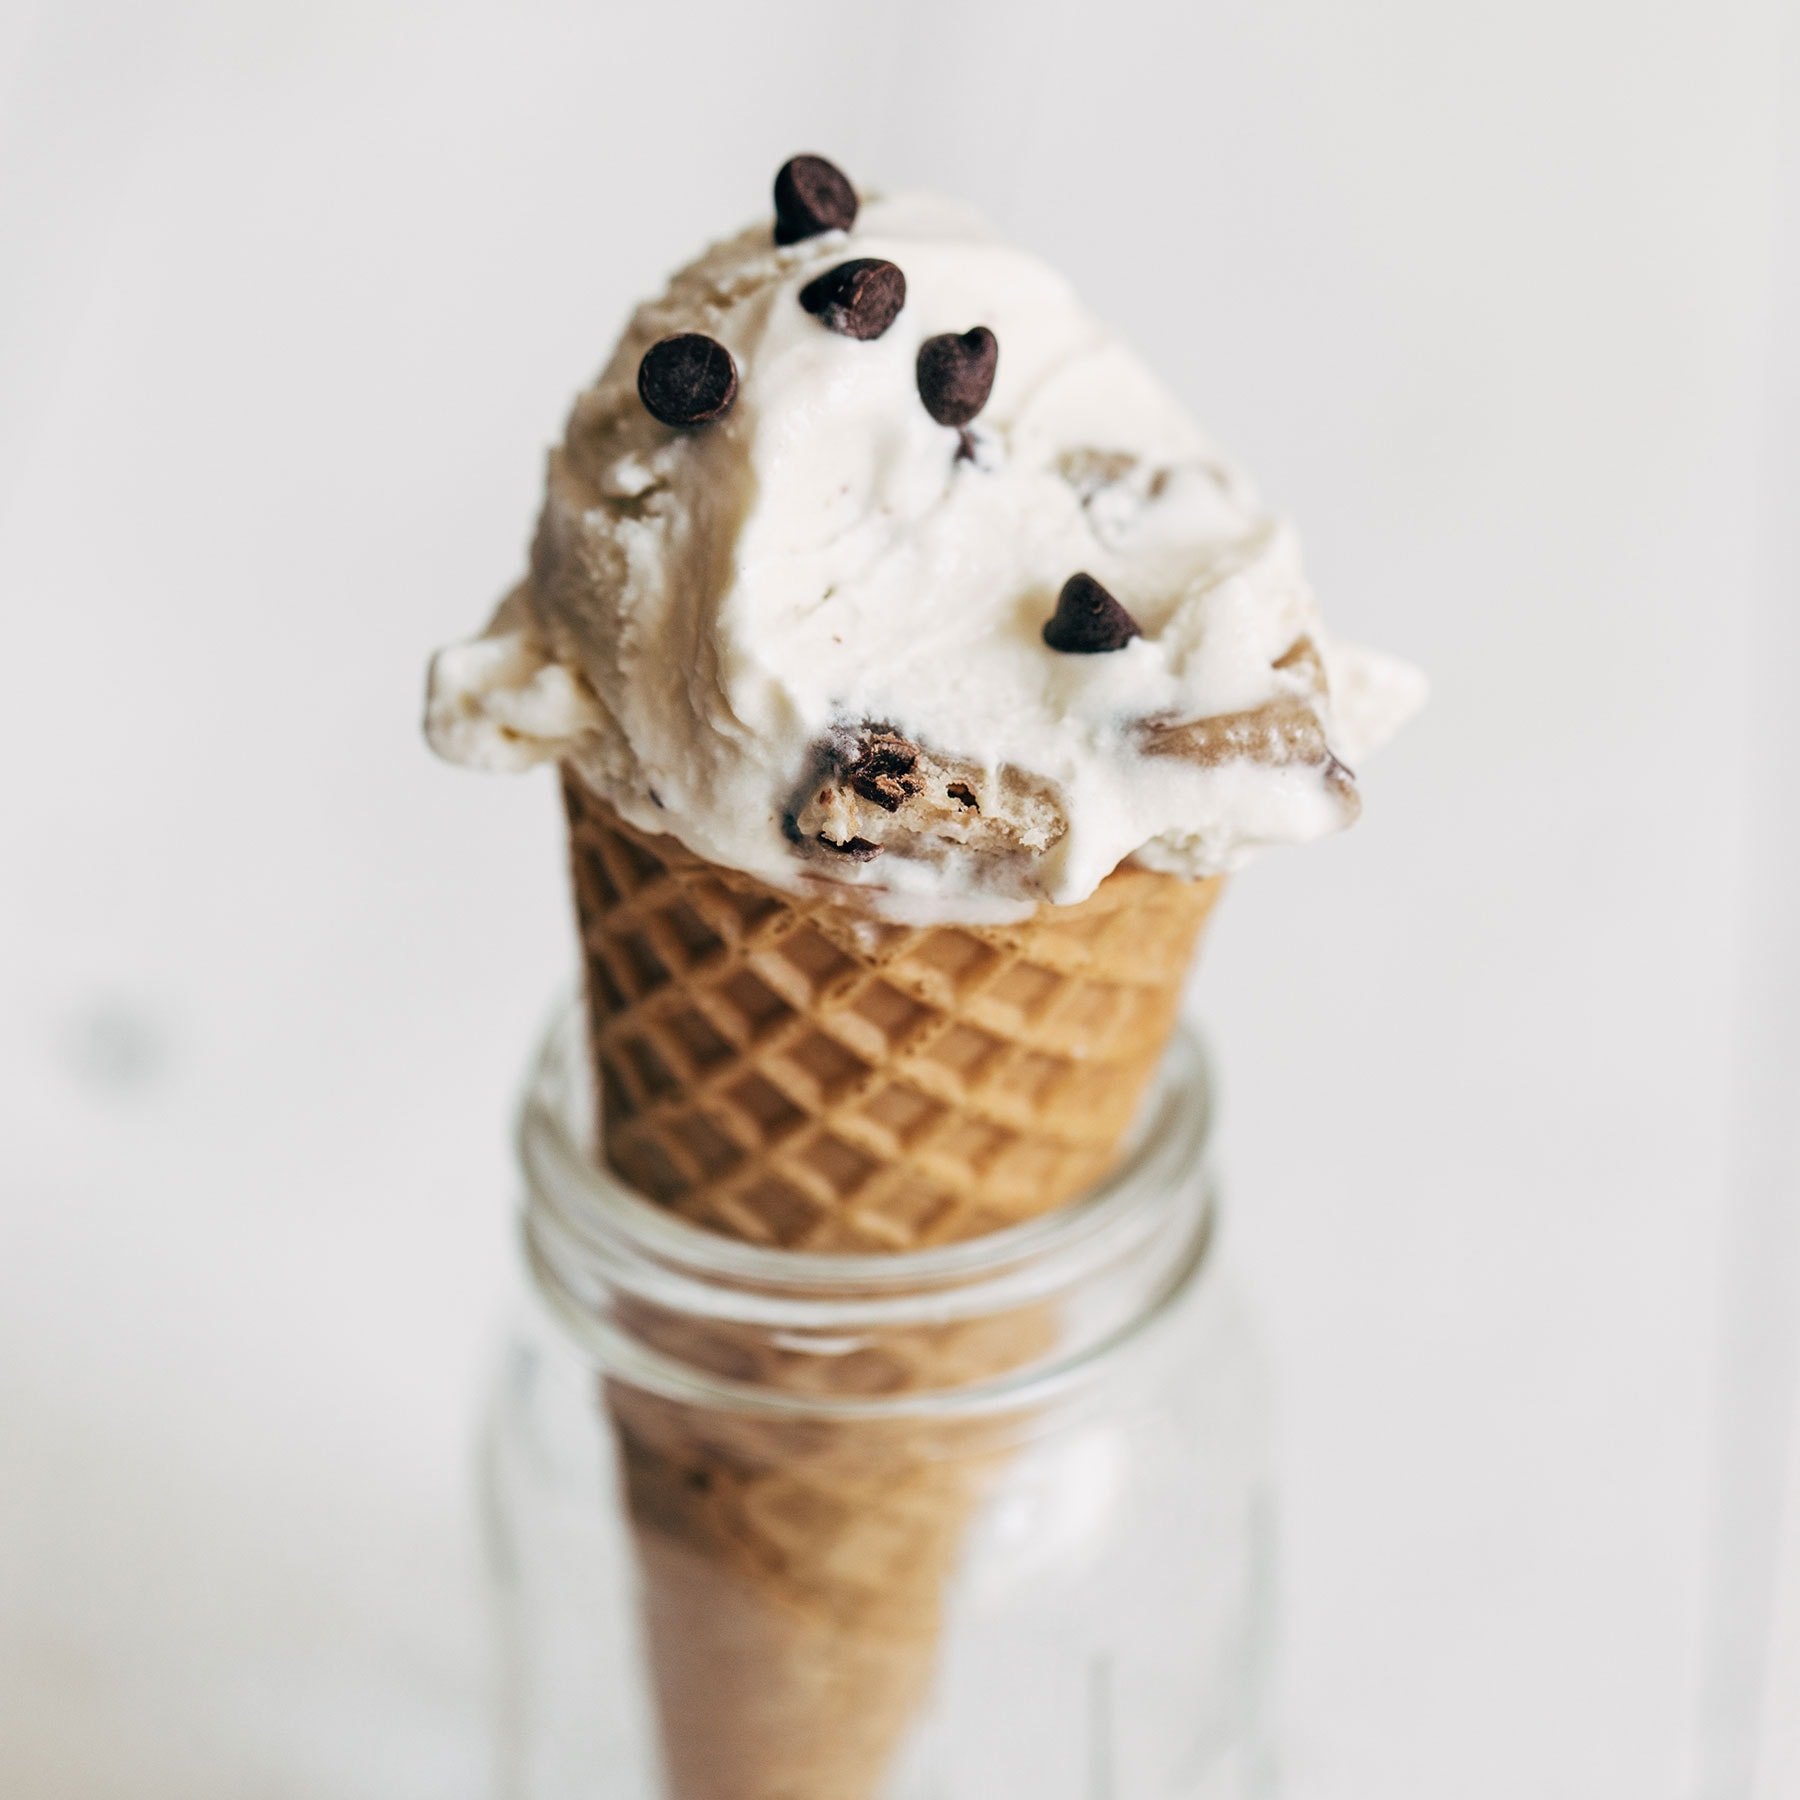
793	1071
792	1581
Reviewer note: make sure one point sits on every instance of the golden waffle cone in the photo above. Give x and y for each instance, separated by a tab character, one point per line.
792	1582
791	1071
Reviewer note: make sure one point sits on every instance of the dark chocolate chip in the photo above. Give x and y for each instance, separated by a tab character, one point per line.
857	849
812	195
1088	620
687	379
956	374
963	795
886	769
861	298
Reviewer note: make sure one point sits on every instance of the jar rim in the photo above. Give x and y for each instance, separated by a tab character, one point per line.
589	1237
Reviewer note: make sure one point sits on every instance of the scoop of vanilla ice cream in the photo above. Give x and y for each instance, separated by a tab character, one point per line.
806	637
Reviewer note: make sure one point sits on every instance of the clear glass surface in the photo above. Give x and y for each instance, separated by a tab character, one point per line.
983	1521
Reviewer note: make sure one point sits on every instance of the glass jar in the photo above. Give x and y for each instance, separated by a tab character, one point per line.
975	1522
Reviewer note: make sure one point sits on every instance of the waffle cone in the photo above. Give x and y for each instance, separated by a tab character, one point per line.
789	1070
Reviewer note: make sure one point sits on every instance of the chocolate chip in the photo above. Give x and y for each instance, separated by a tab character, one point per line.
861	298
687	379
886	769
956	374
1088	620
857	849
963	795
812	195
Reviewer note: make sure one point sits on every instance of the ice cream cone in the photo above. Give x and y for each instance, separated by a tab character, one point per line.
795	1071
890	579
799	1072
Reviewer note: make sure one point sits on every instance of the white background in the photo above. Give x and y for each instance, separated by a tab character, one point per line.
292	297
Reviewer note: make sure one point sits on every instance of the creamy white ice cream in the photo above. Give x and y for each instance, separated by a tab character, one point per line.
807	637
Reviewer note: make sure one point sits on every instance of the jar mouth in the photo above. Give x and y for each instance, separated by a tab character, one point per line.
590	1239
